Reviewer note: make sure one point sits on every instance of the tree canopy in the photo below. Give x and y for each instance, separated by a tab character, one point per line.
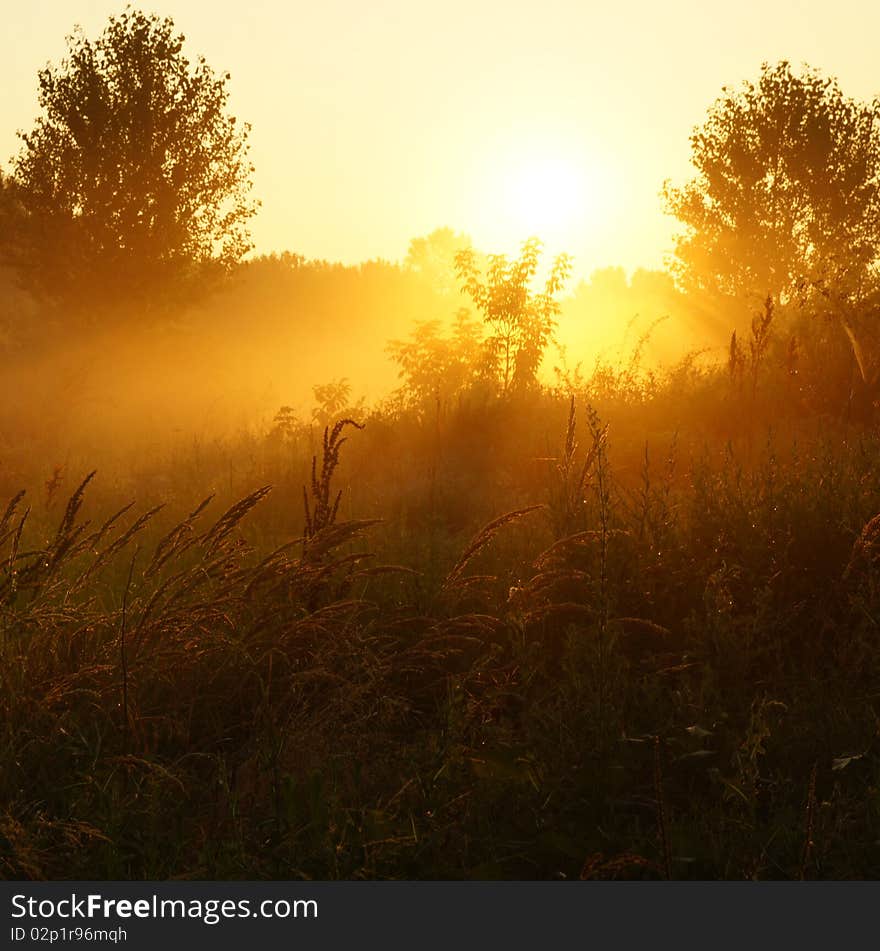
786	196
433	256
134	180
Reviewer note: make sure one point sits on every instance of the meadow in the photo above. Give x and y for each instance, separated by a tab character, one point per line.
470	565
625	629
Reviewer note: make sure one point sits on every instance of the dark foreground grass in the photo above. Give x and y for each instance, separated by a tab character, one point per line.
669	671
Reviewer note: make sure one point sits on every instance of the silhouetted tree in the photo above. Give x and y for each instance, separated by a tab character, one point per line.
786	197
436	366
523	321
134	181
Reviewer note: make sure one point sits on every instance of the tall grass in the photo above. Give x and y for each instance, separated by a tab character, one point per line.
532	637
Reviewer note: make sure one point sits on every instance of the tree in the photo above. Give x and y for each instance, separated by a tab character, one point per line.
785	202
523	321
433	256
436	366
134	183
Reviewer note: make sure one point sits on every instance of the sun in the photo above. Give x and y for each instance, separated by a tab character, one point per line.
553	196
543	196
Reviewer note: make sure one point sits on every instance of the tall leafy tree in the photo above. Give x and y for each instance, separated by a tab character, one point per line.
785	201
135	181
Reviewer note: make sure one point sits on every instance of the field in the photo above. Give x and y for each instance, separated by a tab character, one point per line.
525	637
543	545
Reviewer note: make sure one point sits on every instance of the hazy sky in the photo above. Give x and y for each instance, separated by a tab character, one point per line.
378	120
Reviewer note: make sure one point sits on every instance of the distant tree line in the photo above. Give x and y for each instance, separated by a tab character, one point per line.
133	190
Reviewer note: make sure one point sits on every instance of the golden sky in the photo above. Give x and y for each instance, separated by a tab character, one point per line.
378	120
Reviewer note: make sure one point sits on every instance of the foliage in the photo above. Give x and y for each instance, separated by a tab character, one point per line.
435	367
433	258
333	401
786	196
134	182
665	672
522	321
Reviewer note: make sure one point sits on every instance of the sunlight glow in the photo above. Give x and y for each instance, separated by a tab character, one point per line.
558	193
545	196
